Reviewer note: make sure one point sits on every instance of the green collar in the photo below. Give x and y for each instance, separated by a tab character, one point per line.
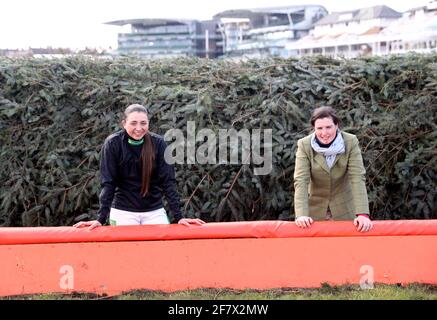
135	142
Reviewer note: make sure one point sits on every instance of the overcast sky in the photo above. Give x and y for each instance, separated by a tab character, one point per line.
80	23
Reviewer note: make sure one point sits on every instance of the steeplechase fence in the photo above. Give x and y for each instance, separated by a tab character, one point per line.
239	255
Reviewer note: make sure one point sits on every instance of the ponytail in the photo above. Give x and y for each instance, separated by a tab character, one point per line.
147	159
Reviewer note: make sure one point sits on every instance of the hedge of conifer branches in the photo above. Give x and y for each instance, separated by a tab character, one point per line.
55	115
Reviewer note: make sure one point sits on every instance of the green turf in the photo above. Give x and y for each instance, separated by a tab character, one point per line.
326	292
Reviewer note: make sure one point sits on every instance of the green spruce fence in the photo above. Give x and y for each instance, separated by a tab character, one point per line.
55	115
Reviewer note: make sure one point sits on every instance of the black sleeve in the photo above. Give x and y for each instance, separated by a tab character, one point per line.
167	179
108	172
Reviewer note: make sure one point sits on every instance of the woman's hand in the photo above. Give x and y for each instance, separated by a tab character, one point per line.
91	224
187	222
363	223
304	222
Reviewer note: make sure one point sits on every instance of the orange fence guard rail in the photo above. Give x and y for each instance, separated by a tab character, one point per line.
239	255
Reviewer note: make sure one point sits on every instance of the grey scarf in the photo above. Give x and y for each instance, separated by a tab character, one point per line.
337	147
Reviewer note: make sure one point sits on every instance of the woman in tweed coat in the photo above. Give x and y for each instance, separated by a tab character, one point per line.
329	176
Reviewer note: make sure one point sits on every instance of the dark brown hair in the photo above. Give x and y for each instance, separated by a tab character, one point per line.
147	152
324	112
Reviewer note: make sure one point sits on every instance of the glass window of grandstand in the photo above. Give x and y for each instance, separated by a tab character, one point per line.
278	20
297	17
356	47
343	48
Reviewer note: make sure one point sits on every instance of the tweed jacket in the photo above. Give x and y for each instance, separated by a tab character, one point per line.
342	188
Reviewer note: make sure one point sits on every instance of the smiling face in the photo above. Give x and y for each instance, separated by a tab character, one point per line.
136	124
325	129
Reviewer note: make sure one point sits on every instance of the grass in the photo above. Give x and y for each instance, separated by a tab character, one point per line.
326	292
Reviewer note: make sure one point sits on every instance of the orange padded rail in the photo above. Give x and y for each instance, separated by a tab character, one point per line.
239	255
222	230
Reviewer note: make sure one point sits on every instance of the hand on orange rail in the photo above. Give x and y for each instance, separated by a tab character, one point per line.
188	222
363	223
91	224
304	222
